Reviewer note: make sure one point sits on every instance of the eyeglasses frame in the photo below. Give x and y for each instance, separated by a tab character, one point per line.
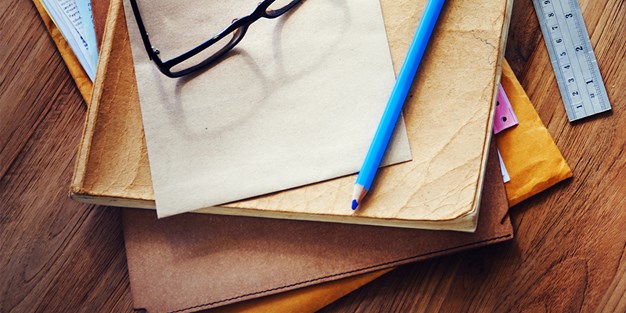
238	26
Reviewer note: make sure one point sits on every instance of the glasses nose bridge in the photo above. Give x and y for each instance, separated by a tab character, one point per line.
257	14
261	10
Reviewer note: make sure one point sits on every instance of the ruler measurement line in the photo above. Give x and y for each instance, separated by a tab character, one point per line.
582	33
552	50
571	54
577	70
577	26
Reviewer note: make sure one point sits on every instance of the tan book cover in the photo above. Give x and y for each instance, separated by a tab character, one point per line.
448	118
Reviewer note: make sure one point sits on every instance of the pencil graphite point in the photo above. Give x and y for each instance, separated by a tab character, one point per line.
357	195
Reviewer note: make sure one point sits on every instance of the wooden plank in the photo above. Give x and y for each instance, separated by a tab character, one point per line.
28	62
56	255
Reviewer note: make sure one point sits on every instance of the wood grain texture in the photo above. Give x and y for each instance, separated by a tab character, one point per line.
569	254
55	255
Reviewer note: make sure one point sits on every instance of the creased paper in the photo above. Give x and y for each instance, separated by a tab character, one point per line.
296	102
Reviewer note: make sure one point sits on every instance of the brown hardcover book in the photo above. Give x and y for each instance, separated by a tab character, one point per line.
193	262
440	188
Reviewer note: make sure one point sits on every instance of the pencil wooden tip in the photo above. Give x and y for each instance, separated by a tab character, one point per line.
357	195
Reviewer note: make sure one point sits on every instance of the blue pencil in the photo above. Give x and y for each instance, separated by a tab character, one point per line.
396	101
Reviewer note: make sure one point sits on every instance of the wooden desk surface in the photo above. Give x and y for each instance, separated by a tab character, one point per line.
569	255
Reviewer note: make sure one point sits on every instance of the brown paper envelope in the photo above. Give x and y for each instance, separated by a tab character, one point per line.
198	261
309	299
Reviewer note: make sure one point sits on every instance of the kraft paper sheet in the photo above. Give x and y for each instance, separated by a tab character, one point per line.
296	103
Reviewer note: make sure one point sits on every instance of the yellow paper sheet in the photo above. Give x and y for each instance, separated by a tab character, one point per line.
531	157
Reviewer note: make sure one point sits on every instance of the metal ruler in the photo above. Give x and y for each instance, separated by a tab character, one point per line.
573	60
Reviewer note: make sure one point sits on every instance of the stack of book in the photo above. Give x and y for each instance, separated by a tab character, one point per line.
199	261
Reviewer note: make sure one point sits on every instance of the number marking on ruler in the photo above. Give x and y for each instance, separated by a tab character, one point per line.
575	65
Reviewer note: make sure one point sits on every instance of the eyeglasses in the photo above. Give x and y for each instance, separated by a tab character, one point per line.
216	47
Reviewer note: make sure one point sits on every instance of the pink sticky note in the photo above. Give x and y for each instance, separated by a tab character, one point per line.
504	117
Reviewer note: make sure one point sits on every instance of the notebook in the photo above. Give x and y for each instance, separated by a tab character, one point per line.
73	19
439	189
76	70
